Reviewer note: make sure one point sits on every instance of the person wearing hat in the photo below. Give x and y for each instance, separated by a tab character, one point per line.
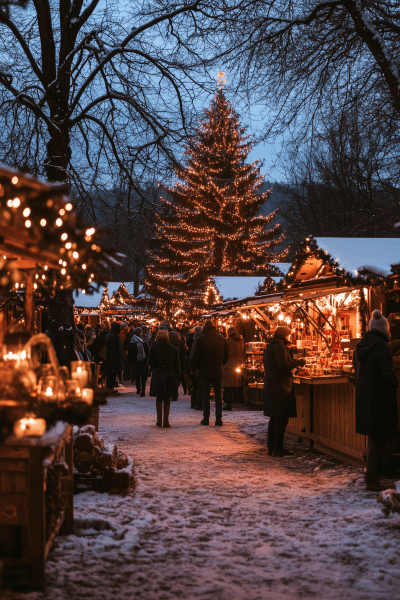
279	396
196	400
376	403
139	353
232	377
210	353
164	361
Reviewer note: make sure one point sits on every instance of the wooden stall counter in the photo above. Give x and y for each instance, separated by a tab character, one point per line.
326	418
36	501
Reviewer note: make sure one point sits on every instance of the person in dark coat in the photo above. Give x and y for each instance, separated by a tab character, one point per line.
99	343
164	361
176	340
232	376
112	355
210	353
139	355
376	404
197	389
279	396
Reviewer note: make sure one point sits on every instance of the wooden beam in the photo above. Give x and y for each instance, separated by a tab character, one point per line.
29	302
258	322
264	316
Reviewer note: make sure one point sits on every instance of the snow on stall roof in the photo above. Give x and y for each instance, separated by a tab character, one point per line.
353	254
93	301
230	288
86	300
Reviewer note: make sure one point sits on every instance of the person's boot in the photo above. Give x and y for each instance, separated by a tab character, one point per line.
205	421
218	422
159	414
166	415
270	451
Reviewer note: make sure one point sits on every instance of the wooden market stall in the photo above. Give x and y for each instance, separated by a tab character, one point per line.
326	298
44	249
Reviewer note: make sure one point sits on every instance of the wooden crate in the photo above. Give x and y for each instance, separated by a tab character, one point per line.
24	545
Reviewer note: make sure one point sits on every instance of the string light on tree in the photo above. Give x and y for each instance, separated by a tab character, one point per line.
209	222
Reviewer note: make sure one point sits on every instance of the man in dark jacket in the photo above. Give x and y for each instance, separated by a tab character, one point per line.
210	353
279	396
197	389
376	405
112	355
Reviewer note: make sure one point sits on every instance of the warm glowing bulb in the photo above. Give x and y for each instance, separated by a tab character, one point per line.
14	180
49	391
68	206
28	223
26	212
64	236
59	222
75	255
16	202
43	222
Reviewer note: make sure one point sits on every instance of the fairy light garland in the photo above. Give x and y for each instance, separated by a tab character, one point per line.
41	217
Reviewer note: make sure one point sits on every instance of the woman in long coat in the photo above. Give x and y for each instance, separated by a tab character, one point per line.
231	377
279	396
164	362
376	403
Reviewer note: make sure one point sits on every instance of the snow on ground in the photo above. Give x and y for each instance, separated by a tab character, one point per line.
212	517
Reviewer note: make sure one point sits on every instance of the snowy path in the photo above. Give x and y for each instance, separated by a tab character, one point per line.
212	517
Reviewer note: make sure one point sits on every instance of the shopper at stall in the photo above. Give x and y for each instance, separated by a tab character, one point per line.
376	404
164	361
279	396
232	375
112	346
139	354
209	355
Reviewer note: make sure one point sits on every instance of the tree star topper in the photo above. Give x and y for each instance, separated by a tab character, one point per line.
221	79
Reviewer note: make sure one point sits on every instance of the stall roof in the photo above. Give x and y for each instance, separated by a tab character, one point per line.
356	254
233	287
237	287
88	301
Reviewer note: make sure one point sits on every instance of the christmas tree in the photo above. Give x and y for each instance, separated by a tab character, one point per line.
209	222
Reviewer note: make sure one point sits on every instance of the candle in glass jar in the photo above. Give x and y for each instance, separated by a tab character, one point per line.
87	395
29	426
81	375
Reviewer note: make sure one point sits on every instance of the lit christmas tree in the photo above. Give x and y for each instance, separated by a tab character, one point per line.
209	222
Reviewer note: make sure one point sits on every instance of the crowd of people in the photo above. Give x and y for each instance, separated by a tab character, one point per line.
204	361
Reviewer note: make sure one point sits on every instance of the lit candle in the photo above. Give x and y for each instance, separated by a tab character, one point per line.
29	427
87	396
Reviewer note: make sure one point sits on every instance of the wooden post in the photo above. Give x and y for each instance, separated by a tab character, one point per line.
29	302
68	525
37	519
